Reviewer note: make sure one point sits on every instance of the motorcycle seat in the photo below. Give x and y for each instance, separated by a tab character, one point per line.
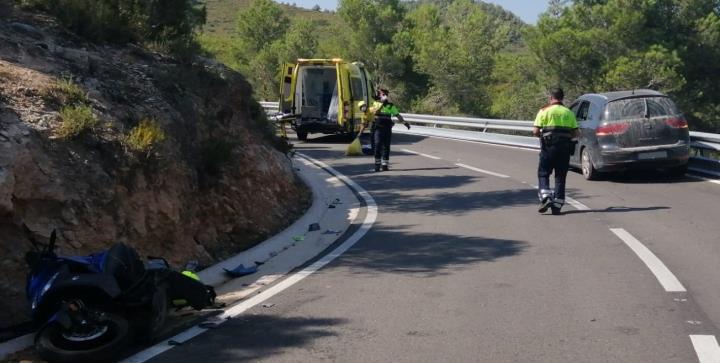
123	263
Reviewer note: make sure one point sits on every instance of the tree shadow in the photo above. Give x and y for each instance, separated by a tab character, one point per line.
443	203
397	249
250	338
646	177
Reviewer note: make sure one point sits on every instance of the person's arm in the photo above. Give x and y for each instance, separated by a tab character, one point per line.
402	120
537	125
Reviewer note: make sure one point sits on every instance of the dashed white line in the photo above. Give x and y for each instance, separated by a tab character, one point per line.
576	204
706	348
370	217
482	171
657	267
421	154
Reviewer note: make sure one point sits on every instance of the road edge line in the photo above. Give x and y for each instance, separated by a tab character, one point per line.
370	218
663	274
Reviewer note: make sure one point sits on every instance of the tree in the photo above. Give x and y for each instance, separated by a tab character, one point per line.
261	24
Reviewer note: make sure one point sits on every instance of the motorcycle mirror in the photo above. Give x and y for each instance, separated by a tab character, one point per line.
53	238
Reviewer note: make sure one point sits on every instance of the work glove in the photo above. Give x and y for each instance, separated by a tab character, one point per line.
407	125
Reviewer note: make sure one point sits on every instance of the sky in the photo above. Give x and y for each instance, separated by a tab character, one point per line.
527	10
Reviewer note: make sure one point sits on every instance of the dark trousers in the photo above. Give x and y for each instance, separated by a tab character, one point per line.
554	157
381	140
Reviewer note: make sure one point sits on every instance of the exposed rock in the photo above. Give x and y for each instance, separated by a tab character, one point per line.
183	200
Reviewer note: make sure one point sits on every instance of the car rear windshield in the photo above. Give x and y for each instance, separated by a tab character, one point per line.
642	107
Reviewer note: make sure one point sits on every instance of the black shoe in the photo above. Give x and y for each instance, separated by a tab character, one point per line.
555	211
377	168
385	168
545	204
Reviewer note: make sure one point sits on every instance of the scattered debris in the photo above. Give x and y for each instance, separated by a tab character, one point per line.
241	271
298	239
259	263
330	231
314	227
268	305
332	206
174	342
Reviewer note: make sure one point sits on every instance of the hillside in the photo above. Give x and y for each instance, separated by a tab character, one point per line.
73	117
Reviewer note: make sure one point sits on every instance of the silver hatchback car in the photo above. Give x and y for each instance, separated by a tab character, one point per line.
623	130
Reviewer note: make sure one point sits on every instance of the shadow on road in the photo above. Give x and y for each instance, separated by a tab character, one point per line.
646	177
251	338
443	203
398	250
616	210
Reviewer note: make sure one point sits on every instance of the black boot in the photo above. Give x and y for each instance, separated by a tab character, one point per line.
545	203
377	167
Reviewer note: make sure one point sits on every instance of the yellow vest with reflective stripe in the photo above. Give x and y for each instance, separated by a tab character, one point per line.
555	116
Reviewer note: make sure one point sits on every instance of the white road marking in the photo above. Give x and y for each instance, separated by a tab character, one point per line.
421	154
482	170
715	181
370	217
576	204
17	344
476	142
661	272
573	202
706	348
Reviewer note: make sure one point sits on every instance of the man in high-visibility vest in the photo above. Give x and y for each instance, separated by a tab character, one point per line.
384	111
557	129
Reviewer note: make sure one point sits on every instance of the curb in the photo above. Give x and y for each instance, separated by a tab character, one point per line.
314	177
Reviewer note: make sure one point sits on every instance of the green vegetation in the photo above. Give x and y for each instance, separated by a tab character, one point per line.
469	57
77	120
65	92
167	24
145	137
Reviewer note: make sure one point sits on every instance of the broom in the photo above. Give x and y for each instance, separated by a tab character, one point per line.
355	148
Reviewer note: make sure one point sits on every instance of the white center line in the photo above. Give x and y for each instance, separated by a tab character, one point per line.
482	171
706	348
421	154
661	272
576	204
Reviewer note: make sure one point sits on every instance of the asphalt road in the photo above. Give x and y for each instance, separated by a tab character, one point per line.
460	267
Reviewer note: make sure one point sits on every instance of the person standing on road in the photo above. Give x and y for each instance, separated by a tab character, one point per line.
557	129
381	130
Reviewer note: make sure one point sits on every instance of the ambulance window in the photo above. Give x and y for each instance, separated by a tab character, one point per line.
357	86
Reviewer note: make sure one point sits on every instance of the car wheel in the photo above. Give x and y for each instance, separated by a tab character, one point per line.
588	169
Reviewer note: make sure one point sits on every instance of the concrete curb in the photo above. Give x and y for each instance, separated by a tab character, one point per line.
324	195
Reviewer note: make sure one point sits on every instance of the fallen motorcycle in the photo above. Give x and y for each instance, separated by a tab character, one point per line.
88	307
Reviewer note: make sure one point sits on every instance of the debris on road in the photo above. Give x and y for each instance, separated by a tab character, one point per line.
241	271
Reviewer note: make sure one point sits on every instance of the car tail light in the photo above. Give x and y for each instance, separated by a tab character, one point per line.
678	123
612	129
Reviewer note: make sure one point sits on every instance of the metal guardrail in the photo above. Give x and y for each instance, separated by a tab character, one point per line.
705	146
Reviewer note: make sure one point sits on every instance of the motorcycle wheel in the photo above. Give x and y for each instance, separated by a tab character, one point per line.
157	315
101	343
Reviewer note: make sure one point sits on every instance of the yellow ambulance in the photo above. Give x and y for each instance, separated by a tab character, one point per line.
327	96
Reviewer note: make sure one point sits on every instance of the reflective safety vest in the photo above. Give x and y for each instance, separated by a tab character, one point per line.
384	114
555	118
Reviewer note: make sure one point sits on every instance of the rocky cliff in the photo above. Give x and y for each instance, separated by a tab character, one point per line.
212	185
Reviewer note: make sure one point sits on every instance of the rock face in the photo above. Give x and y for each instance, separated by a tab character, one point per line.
215	186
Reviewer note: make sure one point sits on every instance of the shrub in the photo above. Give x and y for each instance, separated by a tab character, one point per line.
170	23
67	93
146	136
77	120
